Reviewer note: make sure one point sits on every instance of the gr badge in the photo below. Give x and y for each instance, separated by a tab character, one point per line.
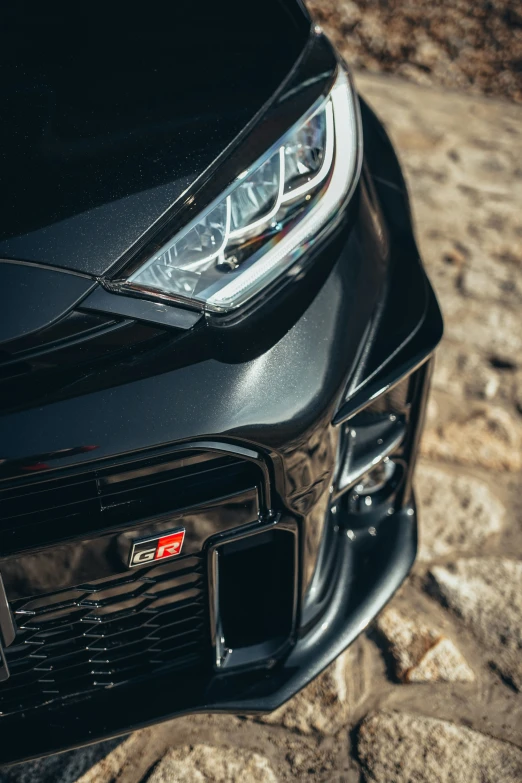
159	548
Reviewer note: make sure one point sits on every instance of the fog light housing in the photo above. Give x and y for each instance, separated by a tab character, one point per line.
373	497
376	479
374	458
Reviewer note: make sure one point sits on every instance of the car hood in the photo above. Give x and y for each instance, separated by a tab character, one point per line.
111	111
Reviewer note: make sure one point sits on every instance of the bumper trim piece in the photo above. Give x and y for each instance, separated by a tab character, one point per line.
410	358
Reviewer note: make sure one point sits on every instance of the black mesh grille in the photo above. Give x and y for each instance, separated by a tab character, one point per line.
104	633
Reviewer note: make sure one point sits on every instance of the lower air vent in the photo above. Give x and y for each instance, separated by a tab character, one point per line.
254	594
105	633
256	589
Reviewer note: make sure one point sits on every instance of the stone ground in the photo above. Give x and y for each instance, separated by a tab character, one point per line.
431	692
474	45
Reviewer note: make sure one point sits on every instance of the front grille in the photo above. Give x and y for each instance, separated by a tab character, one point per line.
107	632
84	620
43	509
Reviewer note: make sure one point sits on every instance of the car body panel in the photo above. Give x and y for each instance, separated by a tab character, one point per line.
109	123
32	297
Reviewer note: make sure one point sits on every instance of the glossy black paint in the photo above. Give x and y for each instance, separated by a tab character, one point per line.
281	401
110	114
32	298
226	384
274	387
97	556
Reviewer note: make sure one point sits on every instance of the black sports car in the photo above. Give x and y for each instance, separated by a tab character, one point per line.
215	350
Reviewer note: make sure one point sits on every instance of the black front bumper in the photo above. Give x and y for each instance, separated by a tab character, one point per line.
276	402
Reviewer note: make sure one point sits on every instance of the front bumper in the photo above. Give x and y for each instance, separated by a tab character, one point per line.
362	320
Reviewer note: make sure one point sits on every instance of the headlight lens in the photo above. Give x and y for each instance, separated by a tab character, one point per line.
268	217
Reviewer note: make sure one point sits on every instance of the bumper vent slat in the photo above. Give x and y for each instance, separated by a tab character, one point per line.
67	645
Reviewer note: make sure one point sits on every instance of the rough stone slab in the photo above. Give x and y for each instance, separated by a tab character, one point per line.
487	274
206	764
518	391
457	512
462	167
486	593
108	768
466	374
71	767
488	327
481	435
402	748
417	40
325	705
322	706
442	663
421	653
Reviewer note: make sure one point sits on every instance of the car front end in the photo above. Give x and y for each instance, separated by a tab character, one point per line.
215	353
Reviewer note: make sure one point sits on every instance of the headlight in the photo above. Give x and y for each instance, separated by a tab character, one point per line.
266	219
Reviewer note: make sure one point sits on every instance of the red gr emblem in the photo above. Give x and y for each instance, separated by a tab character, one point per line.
150	549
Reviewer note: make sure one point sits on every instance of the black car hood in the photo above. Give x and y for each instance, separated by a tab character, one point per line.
109	112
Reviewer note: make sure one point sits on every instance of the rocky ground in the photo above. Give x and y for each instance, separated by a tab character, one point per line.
473	45
431	692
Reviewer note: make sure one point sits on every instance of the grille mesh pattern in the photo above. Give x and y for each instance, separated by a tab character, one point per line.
106	632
